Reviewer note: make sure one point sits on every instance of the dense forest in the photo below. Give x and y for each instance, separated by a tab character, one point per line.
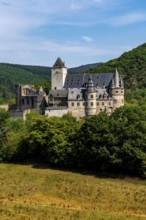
11	74
131	65
115	143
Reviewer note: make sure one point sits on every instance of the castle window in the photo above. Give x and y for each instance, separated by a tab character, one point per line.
27	92
78	104
121	91
92	96
22	101
57	94
78	96
109	103
83	103
72	104
97	103
116	91
102	103
100	96
91	103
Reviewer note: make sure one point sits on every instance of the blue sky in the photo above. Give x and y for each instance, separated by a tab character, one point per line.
36	32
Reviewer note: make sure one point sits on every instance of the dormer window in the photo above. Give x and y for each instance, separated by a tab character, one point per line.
78	96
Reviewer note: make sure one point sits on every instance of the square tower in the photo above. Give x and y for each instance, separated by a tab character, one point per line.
58	75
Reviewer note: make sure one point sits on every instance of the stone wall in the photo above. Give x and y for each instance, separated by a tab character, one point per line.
6	107
16	114
57	113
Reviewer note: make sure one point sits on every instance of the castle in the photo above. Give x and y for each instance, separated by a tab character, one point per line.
77	94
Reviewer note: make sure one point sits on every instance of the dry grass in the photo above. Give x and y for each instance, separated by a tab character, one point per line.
37	194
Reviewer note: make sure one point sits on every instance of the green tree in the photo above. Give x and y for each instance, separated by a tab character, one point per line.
3	130
129	129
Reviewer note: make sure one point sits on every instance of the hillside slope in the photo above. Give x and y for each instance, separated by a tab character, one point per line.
12	74
83	68
44	193
131	65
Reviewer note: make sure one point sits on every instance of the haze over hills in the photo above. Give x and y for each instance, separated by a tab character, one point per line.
131	65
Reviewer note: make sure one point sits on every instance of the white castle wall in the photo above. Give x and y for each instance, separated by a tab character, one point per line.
57	113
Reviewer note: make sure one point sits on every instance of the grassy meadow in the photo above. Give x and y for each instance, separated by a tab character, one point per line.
40	193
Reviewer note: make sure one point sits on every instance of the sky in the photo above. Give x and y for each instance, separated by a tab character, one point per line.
37	32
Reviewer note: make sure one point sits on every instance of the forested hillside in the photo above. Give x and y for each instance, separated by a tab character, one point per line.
131	65
12	74
84	68
107	143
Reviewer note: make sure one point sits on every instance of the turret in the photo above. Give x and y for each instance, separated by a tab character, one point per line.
117	90
58	75
90	98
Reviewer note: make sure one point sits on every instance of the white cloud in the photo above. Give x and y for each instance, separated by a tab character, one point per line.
39	51
87	39
127	19
21	20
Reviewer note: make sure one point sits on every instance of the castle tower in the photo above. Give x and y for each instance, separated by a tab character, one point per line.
90	98
117	90
58	75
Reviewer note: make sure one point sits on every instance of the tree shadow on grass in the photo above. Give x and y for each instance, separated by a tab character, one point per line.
98	174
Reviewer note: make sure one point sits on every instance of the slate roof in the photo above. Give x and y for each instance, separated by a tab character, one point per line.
58	93
56	107
76	94
80	80
59	64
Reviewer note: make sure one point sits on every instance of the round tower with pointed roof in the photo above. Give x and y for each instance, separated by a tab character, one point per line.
117	90
90	98
58	75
